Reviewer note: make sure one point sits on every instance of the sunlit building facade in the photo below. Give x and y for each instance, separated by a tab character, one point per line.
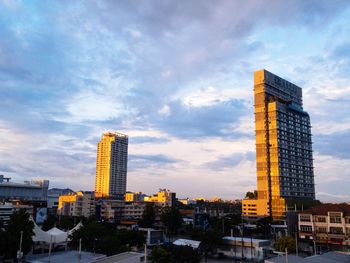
111	165
77	204
283	146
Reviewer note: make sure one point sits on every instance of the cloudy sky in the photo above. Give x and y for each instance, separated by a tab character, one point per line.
177	77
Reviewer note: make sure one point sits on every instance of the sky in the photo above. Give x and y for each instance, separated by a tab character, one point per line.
177	77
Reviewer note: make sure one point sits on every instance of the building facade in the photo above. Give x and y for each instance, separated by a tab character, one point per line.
164	198
283	146
6	210
77	204
35	190
134	197
111	165
326	225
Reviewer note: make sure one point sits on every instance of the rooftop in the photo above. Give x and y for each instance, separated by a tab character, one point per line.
64	256
121	258
323	209
330	257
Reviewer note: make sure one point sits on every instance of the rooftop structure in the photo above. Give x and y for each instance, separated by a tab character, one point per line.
28	190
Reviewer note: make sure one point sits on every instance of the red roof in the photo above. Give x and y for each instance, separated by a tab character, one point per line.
323	209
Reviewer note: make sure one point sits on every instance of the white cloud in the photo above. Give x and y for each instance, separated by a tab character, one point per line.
210	95
90	106
165	110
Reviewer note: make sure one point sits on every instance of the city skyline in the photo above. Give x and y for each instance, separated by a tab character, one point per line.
177	78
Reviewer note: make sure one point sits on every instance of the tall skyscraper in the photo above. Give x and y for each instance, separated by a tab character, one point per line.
283	147
111	165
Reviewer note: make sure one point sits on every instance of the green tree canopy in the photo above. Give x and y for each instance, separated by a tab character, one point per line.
19	223
251	195
104	238
132	237
148	216
90	234
160	255
285	242
172	220
184	254
49	223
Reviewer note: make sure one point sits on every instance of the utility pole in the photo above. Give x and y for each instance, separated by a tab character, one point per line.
251	244
242	241
20	254
50	246
79	255
223	226
296	242
146	253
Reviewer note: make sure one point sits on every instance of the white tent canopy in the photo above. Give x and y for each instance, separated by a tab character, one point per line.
54	235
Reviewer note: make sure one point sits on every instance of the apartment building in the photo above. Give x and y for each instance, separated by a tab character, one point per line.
283	147
163	198
111	166
77	204
325	224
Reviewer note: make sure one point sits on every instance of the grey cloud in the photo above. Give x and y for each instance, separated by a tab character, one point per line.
144	161
207	121
335	144
157	158
229	161
146	139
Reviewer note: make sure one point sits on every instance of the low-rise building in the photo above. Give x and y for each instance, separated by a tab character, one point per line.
53	196
110	210
245	247
325	225
164	197
6	210
78	204
133	211
28	190
134	197
329	257
254	209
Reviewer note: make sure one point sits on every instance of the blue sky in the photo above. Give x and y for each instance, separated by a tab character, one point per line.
177	77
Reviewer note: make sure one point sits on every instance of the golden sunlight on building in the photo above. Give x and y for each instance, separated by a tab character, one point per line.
77	204
283	147
111	165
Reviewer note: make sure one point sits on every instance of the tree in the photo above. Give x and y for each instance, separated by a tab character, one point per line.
132	237
49	223
160	255
172	220
284	243
148	216
184	254
66	222
263	226
110	245
19	223
210	239
251	195
90	234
